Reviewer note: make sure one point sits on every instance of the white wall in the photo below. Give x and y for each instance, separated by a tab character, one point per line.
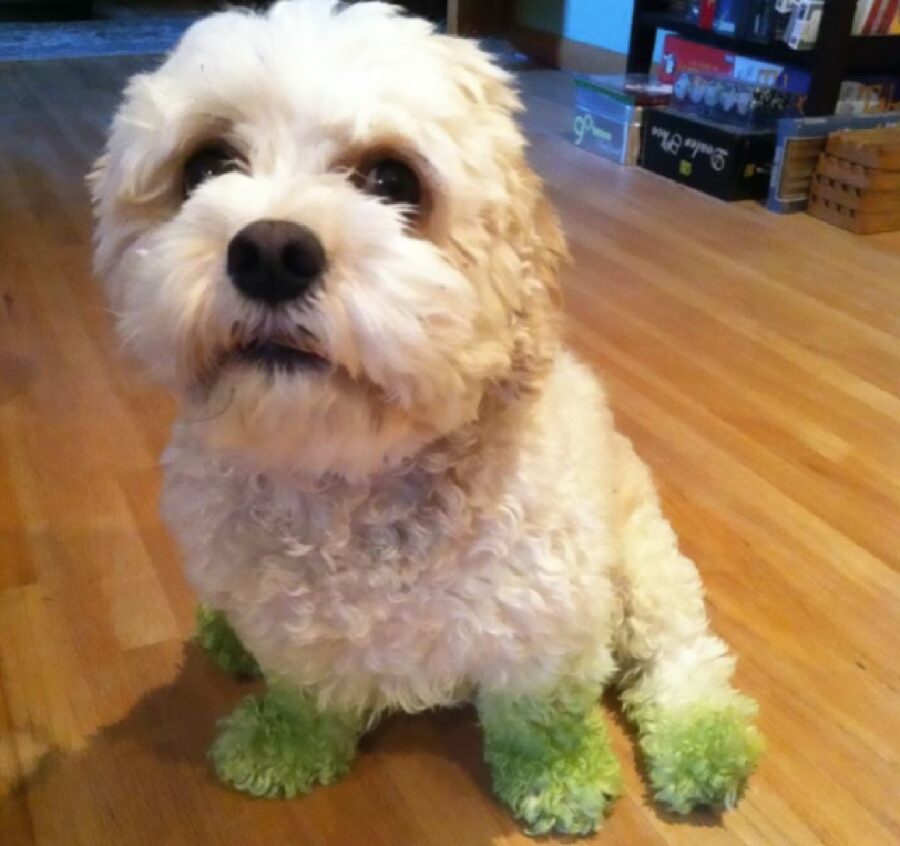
604	23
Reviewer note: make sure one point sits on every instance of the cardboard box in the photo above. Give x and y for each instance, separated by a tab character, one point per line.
724	161
869	94
803	27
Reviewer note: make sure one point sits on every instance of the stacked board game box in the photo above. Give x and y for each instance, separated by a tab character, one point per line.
609	111
728	162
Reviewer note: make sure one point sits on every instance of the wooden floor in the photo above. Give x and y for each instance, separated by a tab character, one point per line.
754	359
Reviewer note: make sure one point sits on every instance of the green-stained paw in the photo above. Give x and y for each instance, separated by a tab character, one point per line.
216	637
281	744
551	760
700	755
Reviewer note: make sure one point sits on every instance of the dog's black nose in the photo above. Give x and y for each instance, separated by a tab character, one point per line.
275	260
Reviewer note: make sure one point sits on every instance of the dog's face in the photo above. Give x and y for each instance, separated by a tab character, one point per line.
318	227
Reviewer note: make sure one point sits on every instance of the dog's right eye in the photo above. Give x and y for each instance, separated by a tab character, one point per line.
208	162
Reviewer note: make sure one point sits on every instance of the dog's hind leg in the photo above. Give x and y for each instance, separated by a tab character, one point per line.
217	639
696	731
550	757
282	743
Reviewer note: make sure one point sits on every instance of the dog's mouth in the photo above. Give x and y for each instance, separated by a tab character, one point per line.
281	354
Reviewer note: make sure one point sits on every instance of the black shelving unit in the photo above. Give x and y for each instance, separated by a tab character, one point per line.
45	10
836	55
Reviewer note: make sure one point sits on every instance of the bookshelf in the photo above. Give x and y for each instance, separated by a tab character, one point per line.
45	10
836	55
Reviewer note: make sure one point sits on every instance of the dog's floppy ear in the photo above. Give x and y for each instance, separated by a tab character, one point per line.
539	240
549	247
522	218
533	220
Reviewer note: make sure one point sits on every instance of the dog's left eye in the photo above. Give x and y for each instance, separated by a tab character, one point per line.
394	181
206	163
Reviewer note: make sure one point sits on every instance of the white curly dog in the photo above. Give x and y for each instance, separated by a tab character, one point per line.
317	226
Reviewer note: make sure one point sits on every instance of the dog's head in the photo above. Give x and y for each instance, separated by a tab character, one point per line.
319	228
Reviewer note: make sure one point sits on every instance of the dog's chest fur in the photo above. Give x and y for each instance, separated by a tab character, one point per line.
409	591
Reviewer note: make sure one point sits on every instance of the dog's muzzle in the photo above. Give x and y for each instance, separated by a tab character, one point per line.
275	261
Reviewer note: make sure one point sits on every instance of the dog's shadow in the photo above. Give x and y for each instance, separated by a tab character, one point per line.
140	779
146	779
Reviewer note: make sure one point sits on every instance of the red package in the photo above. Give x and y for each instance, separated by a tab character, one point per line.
707	14
680	55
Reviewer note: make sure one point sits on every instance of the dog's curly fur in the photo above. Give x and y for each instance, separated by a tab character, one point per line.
446	511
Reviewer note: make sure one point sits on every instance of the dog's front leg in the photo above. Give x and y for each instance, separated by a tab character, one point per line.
282	743
550	757
217	639
696	730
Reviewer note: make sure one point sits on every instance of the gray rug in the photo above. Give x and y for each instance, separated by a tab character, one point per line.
135	36
27	41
